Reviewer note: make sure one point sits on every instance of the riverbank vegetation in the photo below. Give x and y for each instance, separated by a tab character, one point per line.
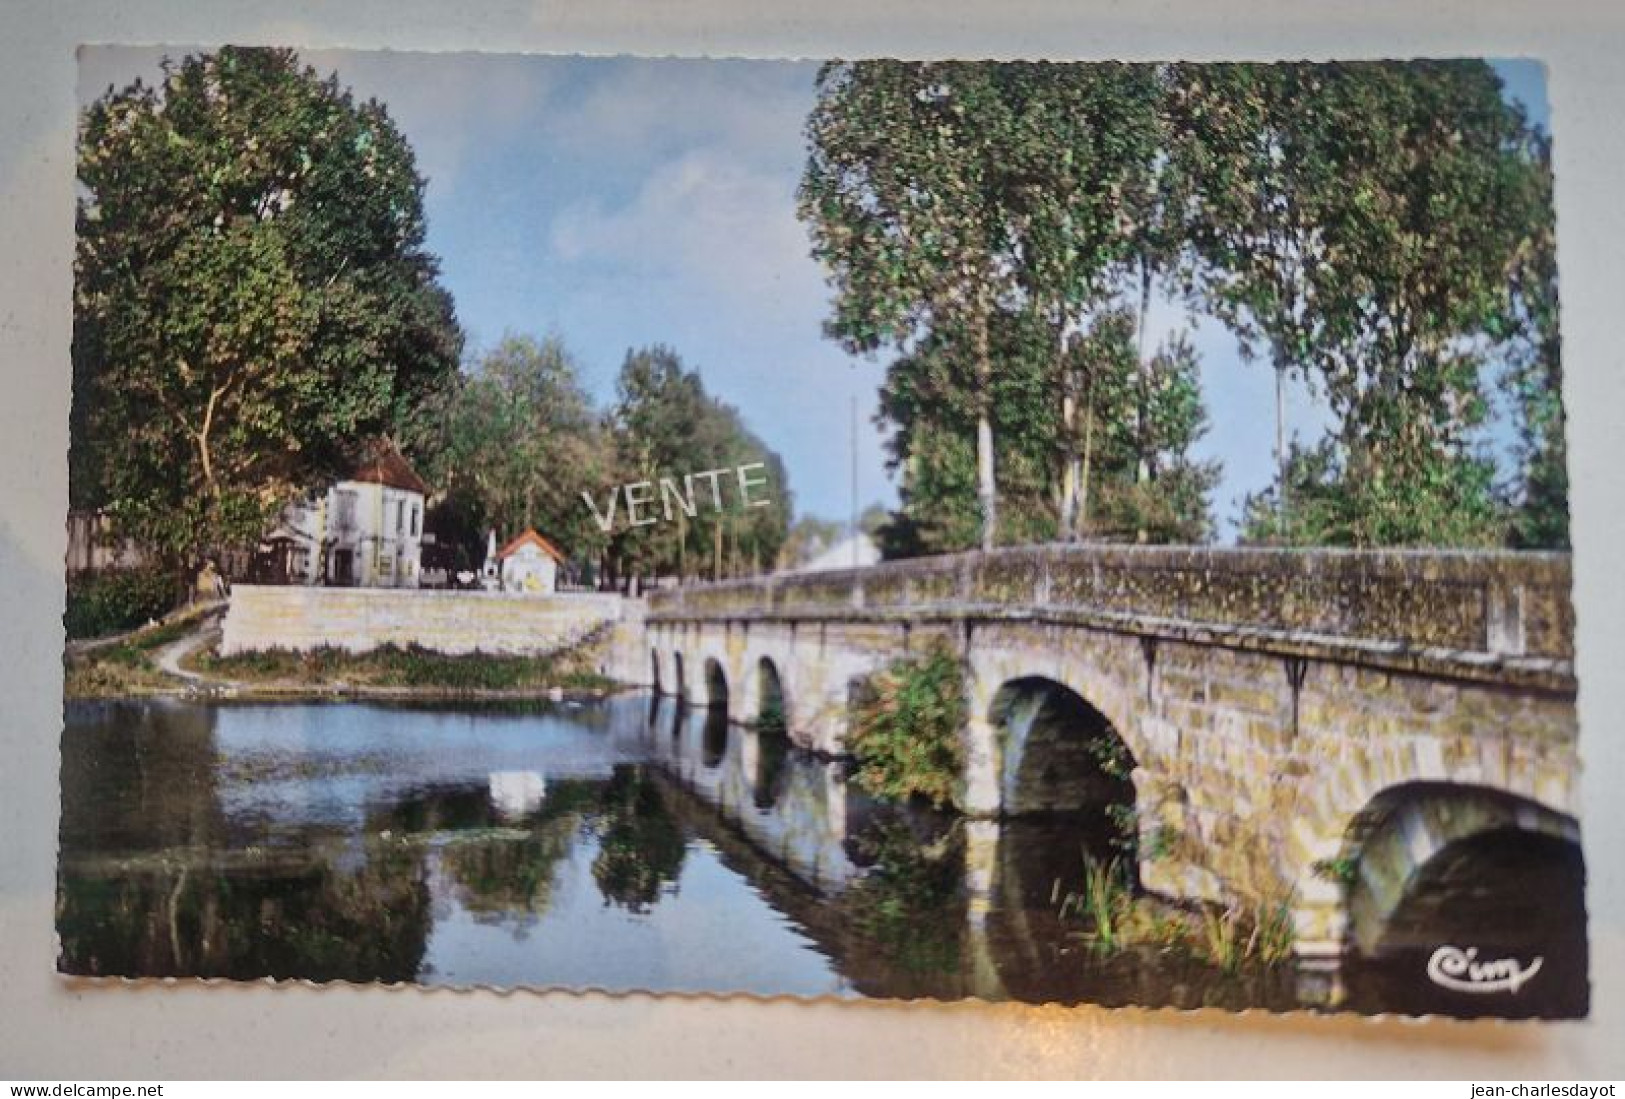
410	668
1115	917
906	735
129	668
124	668
110	603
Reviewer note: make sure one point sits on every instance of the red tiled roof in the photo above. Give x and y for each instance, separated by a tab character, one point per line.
530	537
385	466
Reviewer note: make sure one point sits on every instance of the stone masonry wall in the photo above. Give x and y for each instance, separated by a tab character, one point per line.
1489	602
357	619
1258	744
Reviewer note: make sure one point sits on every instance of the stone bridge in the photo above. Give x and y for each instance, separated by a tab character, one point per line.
1306	727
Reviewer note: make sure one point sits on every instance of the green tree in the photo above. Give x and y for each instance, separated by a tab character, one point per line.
906	193
906	729
1539	493
933	420
976	217
515	441
808	537
1099	222
252	302
666	426
1142	415
1359	224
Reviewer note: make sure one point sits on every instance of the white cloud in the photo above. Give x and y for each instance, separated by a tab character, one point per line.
706	221
635	108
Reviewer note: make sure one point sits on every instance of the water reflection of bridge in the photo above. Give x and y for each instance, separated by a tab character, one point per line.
1312	728
921	905
193	843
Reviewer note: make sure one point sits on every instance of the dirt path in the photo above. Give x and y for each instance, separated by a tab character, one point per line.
168	659
200	612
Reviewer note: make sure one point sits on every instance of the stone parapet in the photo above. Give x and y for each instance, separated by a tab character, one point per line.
1499	603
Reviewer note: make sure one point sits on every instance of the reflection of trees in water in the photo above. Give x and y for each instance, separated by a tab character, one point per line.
256	915
512	870
500	868
139	776
509	874
911	901
640	844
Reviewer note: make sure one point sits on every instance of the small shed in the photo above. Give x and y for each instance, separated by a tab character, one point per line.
530	563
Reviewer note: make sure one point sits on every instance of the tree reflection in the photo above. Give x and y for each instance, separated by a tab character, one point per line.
508	875
503	870
640	845
911	900
265	914
772	770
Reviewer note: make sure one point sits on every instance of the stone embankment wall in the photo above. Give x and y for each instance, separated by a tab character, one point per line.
358	619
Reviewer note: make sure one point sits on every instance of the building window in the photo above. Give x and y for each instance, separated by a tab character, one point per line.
344	510
414	521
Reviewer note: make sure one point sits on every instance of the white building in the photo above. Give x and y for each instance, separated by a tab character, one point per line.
529	563
365	531
855	551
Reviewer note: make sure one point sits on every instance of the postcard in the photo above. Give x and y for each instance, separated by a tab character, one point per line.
1062	532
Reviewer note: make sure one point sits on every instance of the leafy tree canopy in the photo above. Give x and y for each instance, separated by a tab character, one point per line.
1361	225
253	299
512	443
665	425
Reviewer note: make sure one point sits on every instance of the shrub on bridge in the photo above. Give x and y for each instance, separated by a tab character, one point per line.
905	732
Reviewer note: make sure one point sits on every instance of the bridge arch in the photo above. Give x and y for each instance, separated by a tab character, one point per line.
1067	798
772	708
1409	834
654	669
714	736
1059	753
716	684
678	681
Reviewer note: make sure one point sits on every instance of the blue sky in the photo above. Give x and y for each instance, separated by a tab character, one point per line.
619	202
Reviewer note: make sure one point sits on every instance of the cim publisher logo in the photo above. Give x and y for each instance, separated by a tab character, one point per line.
1461	970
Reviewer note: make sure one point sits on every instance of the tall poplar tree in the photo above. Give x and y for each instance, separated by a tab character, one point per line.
907	194
1361	224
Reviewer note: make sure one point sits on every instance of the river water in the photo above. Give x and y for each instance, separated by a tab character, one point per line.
619	845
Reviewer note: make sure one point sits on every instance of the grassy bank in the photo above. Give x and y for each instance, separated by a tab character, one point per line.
410	668
128	668
124	668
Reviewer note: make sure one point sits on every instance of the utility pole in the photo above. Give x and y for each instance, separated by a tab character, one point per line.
1285	517
854	480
